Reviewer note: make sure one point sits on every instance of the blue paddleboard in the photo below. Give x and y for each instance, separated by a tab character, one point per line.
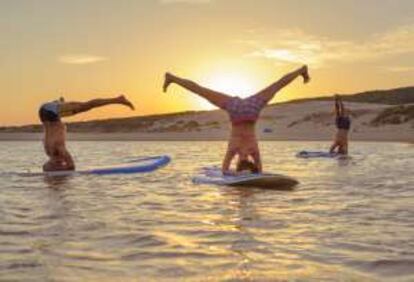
141	165
319	154
135	166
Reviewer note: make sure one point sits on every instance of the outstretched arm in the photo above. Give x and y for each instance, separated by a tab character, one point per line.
64	157
68	159
269	92
227	162
70	162
257	161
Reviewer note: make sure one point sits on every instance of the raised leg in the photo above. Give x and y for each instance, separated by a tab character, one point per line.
269	92
216	98
73	108
339	106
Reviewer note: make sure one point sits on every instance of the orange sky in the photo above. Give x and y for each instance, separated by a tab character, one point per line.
88	49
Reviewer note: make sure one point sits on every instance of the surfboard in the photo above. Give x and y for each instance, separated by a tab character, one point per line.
260	180
319	154
141	165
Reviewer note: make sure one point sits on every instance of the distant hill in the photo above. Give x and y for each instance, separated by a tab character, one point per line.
108	125
397	96
188	121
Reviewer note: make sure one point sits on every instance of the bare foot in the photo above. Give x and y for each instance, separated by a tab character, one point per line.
124	101
167	81
305	74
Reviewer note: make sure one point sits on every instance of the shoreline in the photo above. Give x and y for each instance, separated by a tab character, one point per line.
110	137
308	121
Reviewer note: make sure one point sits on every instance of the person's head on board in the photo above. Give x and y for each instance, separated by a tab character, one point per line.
247	165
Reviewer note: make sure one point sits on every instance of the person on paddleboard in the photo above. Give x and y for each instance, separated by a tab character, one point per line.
244	113
343	124
50	115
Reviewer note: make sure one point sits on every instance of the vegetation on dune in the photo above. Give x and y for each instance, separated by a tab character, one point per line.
398	96
395	115
326	118
27	128
181	122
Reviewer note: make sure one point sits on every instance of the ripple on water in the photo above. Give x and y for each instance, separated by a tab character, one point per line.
347	221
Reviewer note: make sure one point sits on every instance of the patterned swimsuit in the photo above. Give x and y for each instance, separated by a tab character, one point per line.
242	110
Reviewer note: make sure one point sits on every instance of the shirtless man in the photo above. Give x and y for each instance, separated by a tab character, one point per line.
55	130
244	113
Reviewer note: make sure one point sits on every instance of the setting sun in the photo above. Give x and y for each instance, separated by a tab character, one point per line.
196	39
193	140
234	84
230	82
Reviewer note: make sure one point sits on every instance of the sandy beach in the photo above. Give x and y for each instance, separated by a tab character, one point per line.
312	120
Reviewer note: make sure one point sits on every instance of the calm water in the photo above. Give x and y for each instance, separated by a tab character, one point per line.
347	221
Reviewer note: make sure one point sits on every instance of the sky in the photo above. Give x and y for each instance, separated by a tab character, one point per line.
86	49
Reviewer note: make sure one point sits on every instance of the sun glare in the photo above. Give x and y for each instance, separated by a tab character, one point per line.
232	84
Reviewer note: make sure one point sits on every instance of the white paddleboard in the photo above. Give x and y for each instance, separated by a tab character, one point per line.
213	175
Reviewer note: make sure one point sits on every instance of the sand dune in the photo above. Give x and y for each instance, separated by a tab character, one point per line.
308	120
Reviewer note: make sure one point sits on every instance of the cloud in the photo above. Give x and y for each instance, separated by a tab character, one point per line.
80	59
398	69
185	1
294	46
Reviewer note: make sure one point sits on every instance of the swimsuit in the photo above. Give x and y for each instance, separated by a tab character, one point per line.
49	112
343	123
242	110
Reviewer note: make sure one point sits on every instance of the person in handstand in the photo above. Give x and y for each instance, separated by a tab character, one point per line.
244	114
54	141
343	124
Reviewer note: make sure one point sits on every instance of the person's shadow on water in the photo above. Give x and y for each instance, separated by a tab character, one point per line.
56	182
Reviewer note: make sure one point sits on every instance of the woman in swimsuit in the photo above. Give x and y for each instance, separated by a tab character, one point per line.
243	116
343	124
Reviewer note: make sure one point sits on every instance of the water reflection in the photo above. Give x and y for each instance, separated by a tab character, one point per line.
56	182
339	220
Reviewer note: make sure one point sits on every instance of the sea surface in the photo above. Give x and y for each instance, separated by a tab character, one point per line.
348	220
